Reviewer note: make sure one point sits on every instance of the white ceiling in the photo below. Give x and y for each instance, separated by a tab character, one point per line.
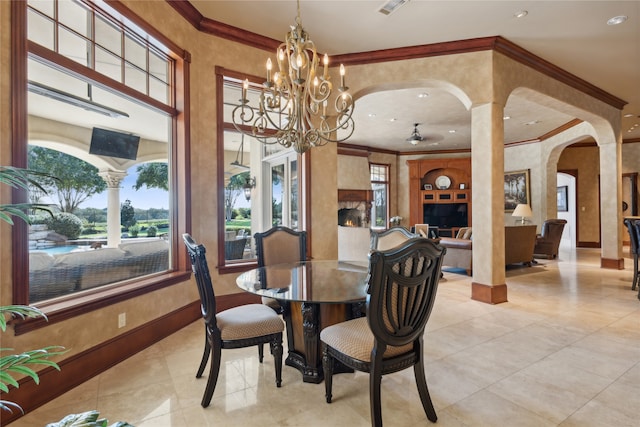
573	35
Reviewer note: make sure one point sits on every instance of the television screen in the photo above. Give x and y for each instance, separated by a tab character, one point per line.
114	144
445	215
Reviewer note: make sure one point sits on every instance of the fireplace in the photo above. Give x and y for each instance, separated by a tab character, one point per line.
354	208
350	217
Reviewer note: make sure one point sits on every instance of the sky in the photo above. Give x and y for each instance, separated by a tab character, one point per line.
144	198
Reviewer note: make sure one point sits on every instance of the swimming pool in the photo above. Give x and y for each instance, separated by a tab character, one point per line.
60	249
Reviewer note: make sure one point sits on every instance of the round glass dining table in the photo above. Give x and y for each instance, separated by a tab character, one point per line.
314	295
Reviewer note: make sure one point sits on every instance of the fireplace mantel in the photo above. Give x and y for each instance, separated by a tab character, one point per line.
355	196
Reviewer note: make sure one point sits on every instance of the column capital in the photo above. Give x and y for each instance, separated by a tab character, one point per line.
112	178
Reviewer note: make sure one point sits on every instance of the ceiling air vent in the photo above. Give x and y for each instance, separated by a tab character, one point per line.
391	6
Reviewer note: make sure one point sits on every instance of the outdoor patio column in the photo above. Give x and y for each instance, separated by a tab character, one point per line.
113	180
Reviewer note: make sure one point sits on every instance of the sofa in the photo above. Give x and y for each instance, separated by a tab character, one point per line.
52	276
518	247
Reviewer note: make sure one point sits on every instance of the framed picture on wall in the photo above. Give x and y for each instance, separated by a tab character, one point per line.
562	198
516	189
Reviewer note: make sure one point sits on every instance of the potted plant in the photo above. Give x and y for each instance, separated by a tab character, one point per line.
21	364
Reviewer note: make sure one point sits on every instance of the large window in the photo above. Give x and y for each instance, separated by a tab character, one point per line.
259	182
101	105
380	186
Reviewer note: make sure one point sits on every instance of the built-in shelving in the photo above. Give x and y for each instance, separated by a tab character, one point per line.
423	189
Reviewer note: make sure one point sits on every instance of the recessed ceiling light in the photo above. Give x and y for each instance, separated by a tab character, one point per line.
392	119
617	20
372	115
423	95
628	115
521	14
452	131
506	117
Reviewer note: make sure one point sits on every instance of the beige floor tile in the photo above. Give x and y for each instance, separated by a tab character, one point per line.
563	351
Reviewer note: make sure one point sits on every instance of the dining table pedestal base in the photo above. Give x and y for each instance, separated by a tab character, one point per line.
304	322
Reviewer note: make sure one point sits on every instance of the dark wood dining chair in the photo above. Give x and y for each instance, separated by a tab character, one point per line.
280	245
390	238
402	289
238	327
633	227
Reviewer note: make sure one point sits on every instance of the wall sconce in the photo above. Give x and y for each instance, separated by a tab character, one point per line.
248	186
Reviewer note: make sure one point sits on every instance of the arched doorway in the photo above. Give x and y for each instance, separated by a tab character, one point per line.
567	208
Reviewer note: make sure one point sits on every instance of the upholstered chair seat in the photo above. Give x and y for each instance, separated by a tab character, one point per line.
402	287
238	327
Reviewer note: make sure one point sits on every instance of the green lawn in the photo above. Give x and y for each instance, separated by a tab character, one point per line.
239	224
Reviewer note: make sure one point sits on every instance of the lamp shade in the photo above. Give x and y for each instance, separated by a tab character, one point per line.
522	210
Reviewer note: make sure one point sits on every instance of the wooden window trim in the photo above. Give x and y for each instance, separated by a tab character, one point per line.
68	307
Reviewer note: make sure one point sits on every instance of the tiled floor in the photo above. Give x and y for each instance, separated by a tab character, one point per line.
565	350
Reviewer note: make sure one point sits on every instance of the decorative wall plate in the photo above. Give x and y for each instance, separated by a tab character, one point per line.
443	182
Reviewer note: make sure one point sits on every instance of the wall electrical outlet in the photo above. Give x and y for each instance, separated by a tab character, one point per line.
122	320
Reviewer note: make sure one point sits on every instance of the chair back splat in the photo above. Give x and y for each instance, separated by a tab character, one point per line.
402	287
390	238
197	255
280	245
237	327
402	291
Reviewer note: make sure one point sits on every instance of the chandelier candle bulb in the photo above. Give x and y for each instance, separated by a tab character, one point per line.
292	104
245	86
269	65
326	66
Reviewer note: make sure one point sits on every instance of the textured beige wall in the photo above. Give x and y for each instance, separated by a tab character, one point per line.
522	157
468	76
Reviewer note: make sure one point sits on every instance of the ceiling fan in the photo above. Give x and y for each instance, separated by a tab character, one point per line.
240	155
415	135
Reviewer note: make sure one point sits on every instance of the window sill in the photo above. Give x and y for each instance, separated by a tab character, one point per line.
74	305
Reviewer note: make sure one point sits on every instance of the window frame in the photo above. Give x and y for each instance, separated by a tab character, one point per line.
387	185
222	126
303	166
74	305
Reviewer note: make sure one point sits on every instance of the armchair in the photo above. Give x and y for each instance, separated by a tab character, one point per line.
548	241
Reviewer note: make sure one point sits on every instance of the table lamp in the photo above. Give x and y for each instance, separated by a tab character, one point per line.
522	210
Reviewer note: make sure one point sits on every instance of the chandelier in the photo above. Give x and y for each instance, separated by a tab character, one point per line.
292	108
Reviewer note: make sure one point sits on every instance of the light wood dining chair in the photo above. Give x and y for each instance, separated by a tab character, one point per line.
238	327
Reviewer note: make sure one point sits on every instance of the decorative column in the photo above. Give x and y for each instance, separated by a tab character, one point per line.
113	180
487	167
610	204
